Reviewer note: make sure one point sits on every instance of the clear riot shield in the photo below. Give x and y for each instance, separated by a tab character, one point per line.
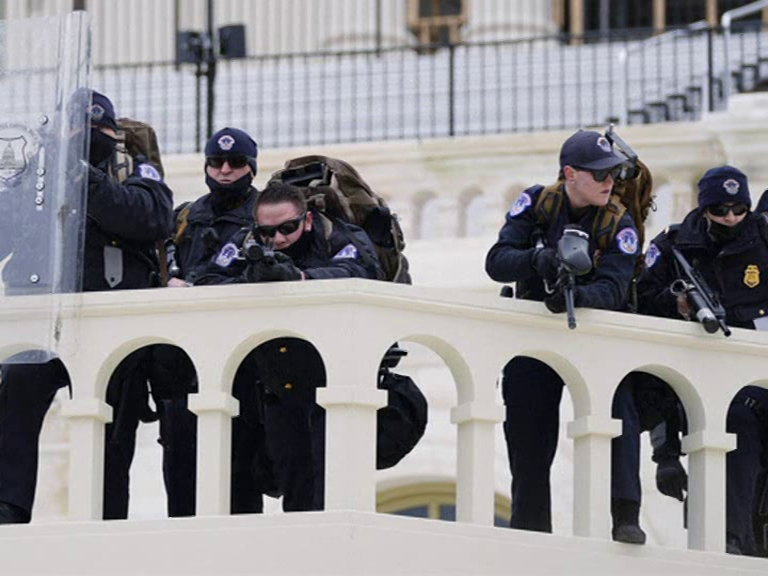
44	72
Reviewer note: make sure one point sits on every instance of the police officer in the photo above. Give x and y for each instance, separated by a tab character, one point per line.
728	245
124	221
203	227
291	242
532	390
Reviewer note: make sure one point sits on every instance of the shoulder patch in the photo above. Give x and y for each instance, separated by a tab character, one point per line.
226	255
627	241
150	172
349	251
652	255
522	203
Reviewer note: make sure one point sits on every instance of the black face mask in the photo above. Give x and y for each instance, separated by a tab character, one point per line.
298	250
102	147
228	196
722	234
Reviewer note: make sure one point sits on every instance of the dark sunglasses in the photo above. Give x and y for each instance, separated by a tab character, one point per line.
287	227
601	175
234	162
723	209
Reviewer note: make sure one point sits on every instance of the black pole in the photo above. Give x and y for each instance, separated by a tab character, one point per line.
451	89
378	27
198	103
710	70
210	56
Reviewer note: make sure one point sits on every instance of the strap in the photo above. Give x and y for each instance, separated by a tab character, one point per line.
182	222
607	221
550	203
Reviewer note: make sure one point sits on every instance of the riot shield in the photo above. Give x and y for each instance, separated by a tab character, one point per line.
44	72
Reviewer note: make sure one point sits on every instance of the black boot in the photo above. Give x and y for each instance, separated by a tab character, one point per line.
10	514
626	523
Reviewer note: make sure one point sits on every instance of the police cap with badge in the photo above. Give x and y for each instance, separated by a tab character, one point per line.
229	144
589	150
724	185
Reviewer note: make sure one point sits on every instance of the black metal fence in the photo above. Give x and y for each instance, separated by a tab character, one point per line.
556	82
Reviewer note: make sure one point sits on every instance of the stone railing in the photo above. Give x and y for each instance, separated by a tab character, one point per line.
352	323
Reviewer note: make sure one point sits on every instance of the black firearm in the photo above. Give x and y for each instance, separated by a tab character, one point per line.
573	254
256	251
701	298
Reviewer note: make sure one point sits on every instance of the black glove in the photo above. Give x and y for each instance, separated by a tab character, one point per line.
545	262
279	268
671	478
555	303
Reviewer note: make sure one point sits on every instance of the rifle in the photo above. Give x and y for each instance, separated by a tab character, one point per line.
701	297
573	254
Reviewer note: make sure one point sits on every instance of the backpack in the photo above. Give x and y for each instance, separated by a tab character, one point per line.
402	422
136	142
335	188
633	194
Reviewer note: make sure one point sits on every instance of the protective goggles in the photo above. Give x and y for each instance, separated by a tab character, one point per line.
234	162
601	175
723	209
286	228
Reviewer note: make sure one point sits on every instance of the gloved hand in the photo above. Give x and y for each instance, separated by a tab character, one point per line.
555	303
545	262
671	478
278	269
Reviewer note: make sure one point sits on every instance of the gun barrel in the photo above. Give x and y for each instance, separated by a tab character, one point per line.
570	307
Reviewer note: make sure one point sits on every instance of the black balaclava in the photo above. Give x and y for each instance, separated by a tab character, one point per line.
298	250
102	147
722	234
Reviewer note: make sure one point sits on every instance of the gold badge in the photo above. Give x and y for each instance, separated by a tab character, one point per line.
752	276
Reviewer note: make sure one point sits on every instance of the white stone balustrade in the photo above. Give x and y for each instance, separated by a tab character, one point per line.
352	323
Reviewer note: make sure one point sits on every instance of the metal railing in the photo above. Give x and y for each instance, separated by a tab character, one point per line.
525	85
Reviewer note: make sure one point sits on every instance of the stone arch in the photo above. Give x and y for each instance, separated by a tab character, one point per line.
113	359
574	381
685	390
420	202
454	360
245	347
469	200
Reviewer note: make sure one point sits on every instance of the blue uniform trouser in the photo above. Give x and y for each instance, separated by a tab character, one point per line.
743	465
625	449
532	392
26	394
296	442
251	468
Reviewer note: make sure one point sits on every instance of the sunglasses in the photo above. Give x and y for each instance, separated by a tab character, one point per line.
601	175
287	227
234	162
723	209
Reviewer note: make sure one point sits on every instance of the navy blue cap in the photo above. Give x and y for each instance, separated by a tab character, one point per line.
589	150
724	185
102	111
233	142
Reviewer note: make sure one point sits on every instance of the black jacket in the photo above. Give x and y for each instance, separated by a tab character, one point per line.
605	287
737	271
209	228
132	217
126	219
335	250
